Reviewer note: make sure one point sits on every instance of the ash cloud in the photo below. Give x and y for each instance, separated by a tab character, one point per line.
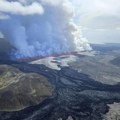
40	27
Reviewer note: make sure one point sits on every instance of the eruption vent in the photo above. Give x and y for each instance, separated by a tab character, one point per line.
40	27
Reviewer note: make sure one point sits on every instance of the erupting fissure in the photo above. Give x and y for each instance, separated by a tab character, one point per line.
42	57
40	27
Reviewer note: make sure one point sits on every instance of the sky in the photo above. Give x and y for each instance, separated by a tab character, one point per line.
99	19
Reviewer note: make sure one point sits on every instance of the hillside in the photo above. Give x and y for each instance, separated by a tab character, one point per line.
19	90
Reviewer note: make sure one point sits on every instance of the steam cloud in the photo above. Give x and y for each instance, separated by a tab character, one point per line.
40	27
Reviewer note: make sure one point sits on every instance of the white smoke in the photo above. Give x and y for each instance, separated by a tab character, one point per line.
18	8
41	27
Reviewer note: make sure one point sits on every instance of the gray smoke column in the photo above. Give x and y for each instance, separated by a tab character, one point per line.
40	27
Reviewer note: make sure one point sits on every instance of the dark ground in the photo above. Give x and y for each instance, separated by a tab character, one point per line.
74	94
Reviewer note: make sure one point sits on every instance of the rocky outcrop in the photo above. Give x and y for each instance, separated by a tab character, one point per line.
113	113
69	118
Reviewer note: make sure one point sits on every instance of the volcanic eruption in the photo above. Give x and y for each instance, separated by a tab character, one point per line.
40	27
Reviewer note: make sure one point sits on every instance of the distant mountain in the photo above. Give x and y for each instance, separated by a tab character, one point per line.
106	47
5	49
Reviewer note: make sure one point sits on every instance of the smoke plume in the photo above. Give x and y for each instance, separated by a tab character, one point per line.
40	27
